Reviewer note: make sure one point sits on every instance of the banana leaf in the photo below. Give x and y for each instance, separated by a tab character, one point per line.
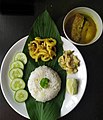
45	27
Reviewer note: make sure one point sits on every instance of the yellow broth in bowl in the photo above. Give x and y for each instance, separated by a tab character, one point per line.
81	28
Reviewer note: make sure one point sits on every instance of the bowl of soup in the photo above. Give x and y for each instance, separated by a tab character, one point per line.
82	26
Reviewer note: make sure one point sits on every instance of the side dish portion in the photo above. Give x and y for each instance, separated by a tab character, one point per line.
69	62
17	84
43	49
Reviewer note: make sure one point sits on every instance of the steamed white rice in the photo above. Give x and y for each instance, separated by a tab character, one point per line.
44	94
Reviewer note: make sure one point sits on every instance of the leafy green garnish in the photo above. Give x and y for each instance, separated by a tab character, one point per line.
44	82
44	27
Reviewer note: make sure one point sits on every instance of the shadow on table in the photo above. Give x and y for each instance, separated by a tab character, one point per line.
17	7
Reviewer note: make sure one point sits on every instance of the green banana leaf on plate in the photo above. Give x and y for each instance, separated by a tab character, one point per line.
45	27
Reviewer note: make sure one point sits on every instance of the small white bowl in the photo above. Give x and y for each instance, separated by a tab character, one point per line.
89	12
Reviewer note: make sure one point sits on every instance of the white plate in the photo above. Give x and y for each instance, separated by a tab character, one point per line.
70	101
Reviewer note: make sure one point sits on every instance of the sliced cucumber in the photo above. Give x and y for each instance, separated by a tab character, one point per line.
17	64
17	84
15	73
21	57
21	95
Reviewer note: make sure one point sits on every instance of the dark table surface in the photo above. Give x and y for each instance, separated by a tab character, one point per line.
16	19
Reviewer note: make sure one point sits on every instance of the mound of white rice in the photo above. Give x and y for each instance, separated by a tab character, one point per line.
44	94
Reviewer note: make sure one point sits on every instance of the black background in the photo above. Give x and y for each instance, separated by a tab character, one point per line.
16	19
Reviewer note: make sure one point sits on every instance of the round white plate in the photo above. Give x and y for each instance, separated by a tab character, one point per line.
70	101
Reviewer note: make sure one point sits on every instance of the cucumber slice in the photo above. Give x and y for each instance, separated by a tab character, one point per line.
21	95
15	73
17	64
21	57
17	84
